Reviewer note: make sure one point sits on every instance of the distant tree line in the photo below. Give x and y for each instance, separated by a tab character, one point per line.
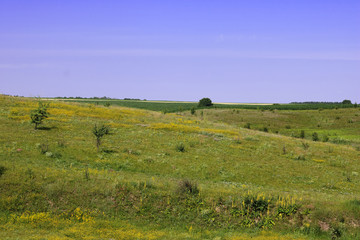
107	98
315	102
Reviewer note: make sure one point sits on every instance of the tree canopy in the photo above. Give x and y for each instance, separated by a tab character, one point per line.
205	102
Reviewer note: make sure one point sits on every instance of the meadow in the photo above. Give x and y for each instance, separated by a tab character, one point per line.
176	106
214	174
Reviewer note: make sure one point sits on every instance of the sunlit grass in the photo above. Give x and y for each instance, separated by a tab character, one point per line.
57	186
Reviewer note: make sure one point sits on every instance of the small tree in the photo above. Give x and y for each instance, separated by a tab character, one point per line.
99	132
192	110
205	102
39	114
346	101
315	136
302	134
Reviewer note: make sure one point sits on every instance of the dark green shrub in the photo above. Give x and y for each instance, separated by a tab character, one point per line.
205	102
302	134
99	132
192	111
256	204
287	210
265	129
187	187
346	101
107	104
315	136
180	147
247	125
2	170
39	114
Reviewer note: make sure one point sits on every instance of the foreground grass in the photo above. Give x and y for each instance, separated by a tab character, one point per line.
56	185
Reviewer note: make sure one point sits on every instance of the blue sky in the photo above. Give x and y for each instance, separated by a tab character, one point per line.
230	51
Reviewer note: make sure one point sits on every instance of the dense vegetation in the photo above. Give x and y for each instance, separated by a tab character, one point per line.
177	176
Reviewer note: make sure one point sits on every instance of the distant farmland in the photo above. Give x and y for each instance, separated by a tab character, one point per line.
174	106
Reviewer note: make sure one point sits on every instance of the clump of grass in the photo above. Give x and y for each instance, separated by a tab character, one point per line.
256	203
315	137
300	157
180	147
305	145
302	134
61	143
2	170
187	187
87	174
44	148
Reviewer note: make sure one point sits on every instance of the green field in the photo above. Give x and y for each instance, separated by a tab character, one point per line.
175	106
178	175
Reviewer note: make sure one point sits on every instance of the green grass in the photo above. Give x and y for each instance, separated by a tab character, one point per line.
175	106
55	185
333	123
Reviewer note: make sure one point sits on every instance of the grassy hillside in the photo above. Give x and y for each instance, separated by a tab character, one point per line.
175	106
168	176
341	126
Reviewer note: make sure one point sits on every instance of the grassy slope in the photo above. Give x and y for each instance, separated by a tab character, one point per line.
178	106
130	188
340	125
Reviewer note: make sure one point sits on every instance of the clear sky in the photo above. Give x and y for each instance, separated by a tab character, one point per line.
229	51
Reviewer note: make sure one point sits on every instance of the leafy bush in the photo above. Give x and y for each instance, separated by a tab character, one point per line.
247	125
302	134
315	136
39	114
256	203
205	102
99	132
192	110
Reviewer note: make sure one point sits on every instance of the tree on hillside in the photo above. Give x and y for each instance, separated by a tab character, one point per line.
39	114
99	132
205	102
346	101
